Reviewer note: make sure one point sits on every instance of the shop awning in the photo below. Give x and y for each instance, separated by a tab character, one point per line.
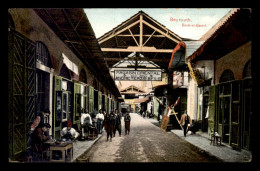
72	26
177	61
70	65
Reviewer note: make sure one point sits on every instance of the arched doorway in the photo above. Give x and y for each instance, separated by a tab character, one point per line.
247	107
224	115
43	77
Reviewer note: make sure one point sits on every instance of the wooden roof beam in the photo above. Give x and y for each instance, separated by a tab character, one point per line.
141	31
163	27
149	37
154	60
166	35
137	49
133	37
144	35
120	31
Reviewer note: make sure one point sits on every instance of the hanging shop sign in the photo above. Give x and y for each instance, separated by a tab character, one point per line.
143	75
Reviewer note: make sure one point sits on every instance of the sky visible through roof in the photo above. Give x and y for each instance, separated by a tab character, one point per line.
186	22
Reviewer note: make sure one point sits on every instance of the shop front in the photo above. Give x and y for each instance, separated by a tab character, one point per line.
81	100
63	104
231	102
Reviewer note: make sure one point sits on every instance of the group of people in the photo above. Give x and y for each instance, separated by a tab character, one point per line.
39	129
112	123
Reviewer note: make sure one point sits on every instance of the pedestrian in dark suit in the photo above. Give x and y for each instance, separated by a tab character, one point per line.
109	124
127	120
117	126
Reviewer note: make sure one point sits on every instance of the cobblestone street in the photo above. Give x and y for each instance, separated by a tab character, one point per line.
145	143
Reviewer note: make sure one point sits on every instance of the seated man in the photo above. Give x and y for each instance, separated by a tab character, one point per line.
68	133
39	136
40	119
194	127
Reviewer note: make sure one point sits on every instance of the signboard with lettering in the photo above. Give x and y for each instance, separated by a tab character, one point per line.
141	75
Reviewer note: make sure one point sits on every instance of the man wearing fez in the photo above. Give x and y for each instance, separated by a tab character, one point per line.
68	133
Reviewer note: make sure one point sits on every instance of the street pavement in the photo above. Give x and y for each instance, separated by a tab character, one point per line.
200	140
146	143
79	147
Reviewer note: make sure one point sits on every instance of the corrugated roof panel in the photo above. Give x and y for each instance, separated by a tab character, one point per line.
192	46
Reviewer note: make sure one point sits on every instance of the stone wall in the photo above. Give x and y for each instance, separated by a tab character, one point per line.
235	61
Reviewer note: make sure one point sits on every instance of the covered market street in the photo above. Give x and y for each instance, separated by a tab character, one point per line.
145	143
70	70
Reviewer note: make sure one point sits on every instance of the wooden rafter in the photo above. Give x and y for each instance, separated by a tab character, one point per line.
137	49
166	35
154	60
149	37
133	37
137	35
160	47
162	27
131	25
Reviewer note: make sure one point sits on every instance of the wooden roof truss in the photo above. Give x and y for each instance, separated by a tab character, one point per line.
139	34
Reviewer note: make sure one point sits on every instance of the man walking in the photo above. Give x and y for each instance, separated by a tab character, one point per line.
109	125
127	120
100	119
185	120
117	123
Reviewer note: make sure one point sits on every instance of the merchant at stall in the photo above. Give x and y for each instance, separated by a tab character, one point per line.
68	133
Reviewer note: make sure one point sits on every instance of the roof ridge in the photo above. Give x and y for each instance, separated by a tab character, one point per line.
218	24
141	12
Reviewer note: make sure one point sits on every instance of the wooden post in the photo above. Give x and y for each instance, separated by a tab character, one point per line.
177	118
141	31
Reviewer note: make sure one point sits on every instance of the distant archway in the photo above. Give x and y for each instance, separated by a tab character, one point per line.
227	75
